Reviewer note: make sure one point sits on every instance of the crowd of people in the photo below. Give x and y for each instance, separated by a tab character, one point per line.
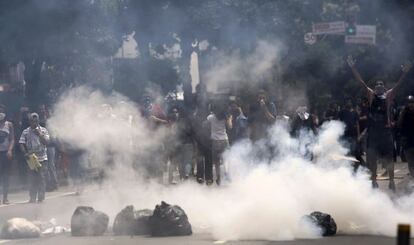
201	131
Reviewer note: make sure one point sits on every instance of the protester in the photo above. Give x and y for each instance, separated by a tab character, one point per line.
202	139
380	142
351	134
182	144
6	152
239	122
219	122
331	113
262	115
33	142
51	175
406	124
302	124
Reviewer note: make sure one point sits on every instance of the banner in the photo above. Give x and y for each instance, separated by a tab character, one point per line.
337	27
365	34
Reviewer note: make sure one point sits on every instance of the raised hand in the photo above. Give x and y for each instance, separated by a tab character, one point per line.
406	67
351	61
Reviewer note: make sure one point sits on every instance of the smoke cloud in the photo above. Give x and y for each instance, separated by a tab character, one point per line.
266	198
237	68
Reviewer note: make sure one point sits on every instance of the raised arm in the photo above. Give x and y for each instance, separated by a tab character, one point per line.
404	71
351	62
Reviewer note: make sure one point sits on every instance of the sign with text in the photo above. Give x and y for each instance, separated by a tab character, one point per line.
337	27
365	34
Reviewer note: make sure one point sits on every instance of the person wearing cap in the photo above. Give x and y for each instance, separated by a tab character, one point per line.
380	141
406	125
33	141
6	152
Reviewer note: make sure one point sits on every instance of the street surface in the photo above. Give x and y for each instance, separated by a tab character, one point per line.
61	204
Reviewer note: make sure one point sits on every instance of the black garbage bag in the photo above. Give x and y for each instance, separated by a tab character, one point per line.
131	222
88	222
169	220
324	221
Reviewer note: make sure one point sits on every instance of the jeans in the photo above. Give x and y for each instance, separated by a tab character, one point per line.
380	146
5	165
37	182
51	176
409	154
218	147
204	162
182	158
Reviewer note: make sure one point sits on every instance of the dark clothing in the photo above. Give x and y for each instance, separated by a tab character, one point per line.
407	130
409	154
379	116
203	143
363	122
258	121
331	114
379	132
204	162
5	165
298	124
239	130
51	175
350	118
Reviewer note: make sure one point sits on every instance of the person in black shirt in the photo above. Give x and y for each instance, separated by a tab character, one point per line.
262	115
406	125
351	134
380	142
331	113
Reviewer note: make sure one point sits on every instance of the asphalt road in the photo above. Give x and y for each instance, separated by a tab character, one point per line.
61	204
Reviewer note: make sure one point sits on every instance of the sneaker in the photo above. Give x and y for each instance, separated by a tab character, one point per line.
32	201
6	202
200	180
40	200
374	184
218	181
209	182
391	186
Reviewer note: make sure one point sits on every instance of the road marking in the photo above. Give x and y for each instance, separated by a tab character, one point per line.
47	198
4	241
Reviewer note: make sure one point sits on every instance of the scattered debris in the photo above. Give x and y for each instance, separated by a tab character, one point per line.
18	228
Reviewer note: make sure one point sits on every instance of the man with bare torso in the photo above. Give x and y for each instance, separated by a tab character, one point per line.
380	142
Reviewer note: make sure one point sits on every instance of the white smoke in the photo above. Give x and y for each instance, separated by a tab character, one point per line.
235	68
266	198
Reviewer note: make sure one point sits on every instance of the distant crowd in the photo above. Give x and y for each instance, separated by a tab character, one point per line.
376	128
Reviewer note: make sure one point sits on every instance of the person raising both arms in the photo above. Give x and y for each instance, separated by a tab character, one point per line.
380	142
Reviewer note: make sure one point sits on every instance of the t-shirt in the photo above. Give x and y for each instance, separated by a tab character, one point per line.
407	129
4	136
33	144
218	128
350	118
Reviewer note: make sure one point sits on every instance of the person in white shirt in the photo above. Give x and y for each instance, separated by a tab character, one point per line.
219	121
33	141
6	152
